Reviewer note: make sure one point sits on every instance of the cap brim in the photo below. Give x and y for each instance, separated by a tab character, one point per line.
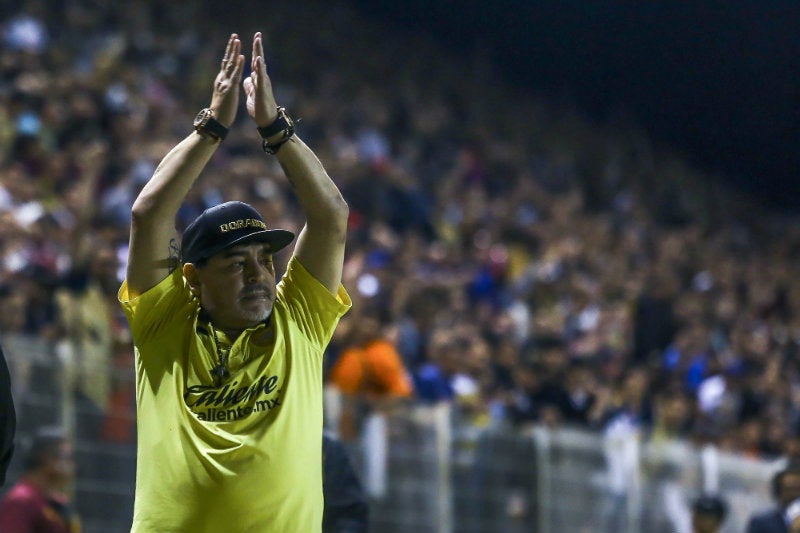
277	239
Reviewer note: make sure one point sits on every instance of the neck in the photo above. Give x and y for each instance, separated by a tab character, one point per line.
231	333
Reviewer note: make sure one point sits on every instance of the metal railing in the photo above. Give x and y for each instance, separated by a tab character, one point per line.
439	476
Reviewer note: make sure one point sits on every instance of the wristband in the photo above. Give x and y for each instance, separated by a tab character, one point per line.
282	124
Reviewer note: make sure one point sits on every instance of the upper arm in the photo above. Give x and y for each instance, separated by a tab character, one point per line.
153	254
154	250
321	252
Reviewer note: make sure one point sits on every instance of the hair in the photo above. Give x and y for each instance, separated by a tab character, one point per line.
713	505
44	444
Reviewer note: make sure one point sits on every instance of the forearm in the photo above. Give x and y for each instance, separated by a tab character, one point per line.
318	195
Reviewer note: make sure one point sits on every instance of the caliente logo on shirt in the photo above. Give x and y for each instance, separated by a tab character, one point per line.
231	401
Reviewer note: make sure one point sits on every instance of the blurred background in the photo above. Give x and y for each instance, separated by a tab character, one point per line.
572	251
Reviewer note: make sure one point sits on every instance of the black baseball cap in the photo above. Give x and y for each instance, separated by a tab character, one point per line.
711	505
225	225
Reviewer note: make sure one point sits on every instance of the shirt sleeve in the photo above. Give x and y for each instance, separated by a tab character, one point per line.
18	515
153	311
310	304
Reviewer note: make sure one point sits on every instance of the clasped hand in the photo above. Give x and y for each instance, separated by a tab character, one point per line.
257	86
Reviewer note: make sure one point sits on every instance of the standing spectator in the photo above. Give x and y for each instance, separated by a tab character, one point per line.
38	502
708	514
229	361
785	489
8	419
372	378
86	302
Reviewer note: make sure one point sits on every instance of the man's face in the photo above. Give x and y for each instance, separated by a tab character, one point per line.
789	488
236	287
60	464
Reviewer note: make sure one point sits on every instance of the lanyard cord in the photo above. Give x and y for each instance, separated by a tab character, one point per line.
220	372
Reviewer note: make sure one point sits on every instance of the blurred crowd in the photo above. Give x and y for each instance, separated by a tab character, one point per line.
512	258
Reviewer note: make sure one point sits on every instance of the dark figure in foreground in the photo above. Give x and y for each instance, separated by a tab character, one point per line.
346	508
8	419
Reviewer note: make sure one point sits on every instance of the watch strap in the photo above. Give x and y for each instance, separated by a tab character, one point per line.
207	125
281	123
215	128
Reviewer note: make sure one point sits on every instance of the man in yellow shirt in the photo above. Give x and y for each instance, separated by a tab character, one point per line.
228	360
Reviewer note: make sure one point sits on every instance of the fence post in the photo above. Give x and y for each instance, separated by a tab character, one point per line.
444	445
544	476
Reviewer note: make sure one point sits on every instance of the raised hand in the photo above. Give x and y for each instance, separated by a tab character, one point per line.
258	88
225	98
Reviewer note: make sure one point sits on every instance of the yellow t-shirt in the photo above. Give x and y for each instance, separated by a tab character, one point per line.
245	457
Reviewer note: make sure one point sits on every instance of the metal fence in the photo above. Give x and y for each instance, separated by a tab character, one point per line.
438	476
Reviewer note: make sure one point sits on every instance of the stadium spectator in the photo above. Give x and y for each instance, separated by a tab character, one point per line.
785	490
39	501
708	514
373	381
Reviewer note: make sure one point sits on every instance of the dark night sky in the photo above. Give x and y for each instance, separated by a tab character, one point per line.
717	81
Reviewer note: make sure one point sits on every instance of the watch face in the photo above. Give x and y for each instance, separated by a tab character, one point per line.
202	117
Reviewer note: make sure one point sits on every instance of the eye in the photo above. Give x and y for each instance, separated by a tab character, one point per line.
236	266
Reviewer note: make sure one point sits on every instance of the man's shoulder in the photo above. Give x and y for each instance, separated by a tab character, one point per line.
22	493
760	520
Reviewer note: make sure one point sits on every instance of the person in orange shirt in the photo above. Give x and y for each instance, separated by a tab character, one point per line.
373	380
371	366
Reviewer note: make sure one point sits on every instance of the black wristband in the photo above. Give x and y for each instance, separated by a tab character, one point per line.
281	123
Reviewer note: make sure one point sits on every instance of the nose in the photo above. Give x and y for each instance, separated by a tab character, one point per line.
256	272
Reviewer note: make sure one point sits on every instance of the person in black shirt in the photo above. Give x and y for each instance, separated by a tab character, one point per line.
346	505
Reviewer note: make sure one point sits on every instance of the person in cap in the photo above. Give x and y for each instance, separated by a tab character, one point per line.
708	514
228	359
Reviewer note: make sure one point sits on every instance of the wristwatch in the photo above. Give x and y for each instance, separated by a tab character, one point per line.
206	125
282	124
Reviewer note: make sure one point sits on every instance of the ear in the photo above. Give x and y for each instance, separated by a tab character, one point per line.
192	278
